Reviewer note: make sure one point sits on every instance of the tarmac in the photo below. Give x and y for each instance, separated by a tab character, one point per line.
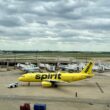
89	94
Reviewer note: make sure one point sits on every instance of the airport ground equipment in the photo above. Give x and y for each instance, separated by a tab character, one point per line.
39	106
26	106
13	85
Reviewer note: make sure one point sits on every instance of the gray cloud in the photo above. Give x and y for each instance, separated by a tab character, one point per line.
58	22
10	22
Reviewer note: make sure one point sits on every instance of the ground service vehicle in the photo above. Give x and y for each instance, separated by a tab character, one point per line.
13	85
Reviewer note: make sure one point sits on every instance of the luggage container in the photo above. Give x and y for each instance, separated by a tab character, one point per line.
22	107
27	106
39	106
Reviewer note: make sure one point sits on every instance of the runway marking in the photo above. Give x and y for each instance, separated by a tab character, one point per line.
101	90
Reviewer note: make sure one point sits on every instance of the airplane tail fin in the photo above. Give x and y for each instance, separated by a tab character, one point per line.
88	68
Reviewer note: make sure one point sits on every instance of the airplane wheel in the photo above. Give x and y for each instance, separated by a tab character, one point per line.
11	86
55	85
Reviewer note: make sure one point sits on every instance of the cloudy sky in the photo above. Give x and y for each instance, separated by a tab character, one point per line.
77	25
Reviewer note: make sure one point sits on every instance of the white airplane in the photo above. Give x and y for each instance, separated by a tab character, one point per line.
28	67
20	66
69	67
106	66
98	68
81	66
48	67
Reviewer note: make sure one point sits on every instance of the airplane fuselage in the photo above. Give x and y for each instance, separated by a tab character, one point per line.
39	77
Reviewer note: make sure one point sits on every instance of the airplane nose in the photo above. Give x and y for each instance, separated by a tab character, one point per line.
20	78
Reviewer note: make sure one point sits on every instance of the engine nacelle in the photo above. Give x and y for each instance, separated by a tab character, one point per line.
46	84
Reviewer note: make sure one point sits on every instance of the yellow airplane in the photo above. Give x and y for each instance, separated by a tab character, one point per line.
50	79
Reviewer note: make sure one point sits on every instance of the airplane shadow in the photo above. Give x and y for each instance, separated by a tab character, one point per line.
58	88
61	87
78	85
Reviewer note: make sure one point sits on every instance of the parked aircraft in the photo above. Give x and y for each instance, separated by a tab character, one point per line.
81	66
98	68
107	68
51	79
20	66
48	67
69	67
28	67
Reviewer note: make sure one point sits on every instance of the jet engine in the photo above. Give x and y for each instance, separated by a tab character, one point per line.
46	84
